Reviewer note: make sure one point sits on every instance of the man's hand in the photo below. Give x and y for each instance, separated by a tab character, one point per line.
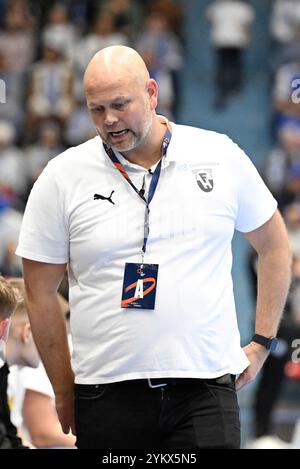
64	404
257	355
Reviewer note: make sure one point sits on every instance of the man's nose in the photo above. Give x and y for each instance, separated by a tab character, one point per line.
110	118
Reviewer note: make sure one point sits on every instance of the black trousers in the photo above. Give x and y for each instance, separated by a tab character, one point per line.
228	70
183	414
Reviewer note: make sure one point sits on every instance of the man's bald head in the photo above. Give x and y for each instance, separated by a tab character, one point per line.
115	63
121	98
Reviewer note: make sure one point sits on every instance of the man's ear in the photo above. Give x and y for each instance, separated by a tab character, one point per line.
152	89
26	332
4	328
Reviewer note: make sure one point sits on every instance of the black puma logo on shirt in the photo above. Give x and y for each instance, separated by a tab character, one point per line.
99	196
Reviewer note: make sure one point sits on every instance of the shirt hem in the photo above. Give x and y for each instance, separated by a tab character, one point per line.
259	222
39	258
162	374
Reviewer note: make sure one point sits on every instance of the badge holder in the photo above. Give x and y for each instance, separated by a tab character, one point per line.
139	286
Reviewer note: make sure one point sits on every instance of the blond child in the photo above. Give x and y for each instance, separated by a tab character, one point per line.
9	298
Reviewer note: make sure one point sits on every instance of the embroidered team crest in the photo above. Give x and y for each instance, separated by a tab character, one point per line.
205	180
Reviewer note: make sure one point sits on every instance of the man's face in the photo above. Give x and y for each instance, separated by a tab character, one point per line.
121	113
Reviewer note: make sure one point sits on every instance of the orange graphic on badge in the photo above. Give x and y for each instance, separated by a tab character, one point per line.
125	303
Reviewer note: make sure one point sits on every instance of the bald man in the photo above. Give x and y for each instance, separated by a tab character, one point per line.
143	216
135	129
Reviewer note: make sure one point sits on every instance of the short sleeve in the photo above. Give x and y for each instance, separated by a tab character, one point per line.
44	235
36	379
256	204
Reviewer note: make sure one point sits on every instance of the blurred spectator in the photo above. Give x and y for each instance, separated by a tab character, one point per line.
39	153
291	191
80	11
286	153
60	30
287	108
79	127
292	219
17	42
171	10
287	53
285	20
10	224
20	346
162	53
32	397
127	14
12	165
51	92
230	35
12	108
8	432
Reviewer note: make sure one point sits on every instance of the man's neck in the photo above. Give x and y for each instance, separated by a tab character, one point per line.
150	153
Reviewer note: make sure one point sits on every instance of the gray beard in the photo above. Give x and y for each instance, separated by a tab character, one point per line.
136	140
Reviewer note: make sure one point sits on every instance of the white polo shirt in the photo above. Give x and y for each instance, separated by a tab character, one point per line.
208	187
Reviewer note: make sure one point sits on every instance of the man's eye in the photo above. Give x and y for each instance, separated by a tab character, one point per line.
119	105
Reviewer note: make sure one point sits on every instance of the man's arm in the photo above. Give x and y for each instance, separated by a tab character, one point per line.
49	331
274	272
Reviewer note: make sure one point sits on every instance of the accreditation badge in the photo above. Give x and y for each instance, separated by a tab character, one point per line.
139	286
